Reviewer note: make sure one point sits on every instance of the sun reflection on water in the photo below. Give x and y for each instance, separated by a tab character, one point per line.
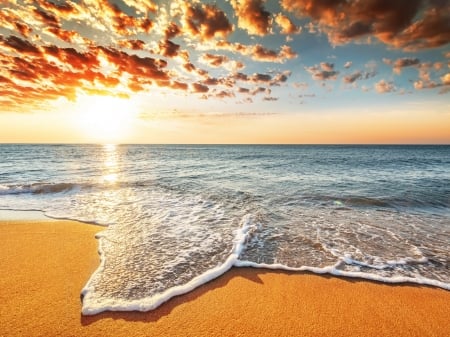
110	164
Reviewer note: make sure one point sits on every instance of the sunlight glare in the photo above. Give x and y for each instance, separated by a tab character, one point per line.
105	119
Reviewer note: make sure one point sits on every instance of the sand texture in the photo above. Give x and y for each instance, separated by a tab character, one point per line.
44	265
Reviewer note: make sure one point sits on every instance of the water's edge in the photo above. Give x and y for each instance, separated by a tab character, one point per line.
92	306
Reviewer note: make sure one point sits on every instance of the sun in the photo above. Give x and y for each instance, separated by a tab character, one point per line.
105	119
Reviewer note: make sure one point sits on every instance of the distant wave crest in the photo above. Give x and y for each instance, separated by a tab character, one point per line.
39	188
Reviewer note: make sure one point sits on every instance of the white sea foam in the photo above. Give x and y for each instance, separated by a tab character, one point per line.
93	305
335	270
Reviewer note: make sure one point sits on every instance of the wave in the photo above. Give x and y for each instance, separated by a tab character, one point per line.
440	200
40	188
92	304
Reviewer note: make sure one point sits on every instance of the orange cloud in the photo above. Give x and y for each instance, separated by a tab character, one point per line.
132	44
383	87
446	79
286	25
171	31
49	72
252	16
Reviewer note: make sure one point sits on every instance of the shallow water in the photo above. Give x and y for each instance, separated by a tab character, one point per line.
178	216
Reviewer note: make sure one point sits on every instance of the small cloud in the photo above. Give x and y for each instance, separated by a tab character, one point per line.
243	90
353	77
280	78
384	87
260	90
324	72
199	88
171	31
419	85
168	48
300	85
401	63
327	66
348	64
446	79
224	94
258	52
270	99
286	25
132	44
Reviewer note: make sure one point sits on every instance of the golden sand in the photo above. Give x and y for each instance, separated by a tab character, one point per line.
44	265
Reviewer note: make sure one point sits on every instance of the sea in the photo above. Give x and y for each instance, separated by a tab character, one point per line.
177	216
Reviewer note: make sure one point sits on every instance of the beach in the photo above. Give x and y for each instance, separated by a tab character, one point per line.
45	264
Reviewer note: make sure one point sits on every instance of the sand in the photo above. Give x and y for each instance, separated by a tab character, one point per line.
44	265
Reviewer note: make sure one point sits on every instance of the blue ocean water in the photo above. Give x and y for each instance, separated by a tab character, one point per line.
178	216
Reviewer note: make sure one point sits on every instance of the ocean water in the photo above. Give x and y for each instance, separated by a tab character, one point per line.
178	216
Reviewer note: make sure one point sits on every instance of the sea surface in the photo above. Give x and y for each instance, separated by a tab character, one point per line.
176	217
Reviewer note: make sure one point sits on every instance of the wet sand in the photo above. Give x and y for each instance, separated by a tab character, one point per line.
45	264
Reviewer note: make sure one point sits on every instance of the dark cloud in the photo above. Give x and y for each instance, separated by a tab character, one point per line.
132	44
243	90
280	78
135	65
270	98
327	66
122	23
211	81
24	29
179	85
323	73
58	8
359	75
19	45
224	94
47	18
402	63
405	24
214	60
171	31
258	52
260	90
352	77
258	78
199	88
168	48
205	21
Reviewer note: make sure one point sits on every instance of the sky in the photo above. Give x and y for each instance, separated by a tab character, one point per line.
225	71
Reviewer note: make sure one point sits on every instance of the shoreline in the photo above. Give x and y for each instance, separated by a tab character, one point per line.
45	265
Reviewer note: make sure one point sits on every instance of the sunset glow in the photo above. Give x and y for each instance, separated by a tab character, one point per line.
230	71
104	118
